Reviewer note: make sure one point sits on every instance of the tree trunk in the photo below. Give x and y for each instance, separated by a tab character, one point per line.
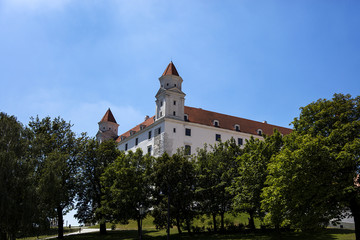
222	227
355	211
188	225
214	220
60	222
139	227
178	224
251	220
103	228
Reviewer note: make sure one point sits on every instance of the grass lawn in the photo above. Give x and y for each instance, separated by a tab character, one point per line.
327	234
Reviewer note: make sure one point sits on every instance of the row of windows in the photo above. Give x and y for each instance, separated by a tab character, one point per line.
157	132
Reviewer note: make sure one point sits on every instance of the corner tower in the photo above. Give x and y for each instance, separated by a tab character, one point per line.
170	99
108	127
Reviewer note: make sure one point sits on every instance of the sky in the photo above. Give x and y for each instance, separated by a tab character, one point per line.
256	59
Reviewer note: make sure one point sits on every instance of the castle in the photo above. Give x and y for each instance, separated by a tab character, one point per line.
177	126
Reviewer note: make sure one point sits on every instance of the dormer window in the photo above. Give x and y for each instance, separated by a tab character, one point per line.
132	132
216	123
237	127
259	132
123	138
186	118
142	127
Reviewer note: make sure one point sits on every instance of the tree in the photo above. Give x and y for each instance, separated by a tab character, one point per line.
18	205
174	180
127	187
315	177
54	148
251	174
94	159
215	172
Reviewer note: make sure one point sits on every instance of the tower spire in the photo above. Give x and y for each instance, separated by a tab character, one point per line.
170	70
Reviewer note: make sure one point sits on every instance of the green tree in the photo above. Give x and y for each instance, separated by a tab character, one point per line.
127	187
54	148
94	158
216	170
251	174
18	205
315	177
175	182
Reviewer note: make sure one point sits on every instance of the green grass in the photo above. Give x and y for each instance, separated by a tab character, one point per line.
327	234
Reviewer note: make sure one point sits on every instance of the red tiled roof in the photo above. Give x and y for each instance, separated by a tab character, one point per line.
145	124
200	116
170	70
108	117
204	117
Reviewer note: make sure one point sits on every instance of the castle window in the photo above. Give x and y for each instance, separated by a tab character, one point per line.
167	84
149	148
149	135
237	127
240	141
174	102
218	137
157	131
187	150
126	147
161	103
175	84
216	123
160	114
174	113
187	131
136	141
186	118
259	132
174	130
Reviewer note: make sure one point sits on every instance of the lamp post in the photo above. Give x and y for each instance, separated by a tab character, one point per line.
141	212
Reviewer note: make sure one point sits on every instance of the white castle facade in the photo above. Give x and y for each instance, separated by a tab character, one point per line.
177	126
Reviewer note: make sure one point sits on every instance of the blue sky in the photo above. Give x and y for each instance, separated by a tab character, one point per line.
260	60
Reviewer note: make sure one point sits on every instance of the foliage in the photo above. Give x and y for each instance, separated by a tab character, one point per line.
251	174
174	180
314	178
215	172
127	187
94	158
54	148
18	205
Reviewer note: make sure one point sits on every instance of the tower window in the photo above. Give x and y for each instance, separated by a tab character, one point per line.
174	130
187	150
218	137
174	102
186	118
161	103
187	131
167	84
174	113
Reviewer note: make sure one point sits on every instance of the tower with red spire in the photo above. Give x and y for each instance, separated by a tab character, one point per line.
108	127
170	99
